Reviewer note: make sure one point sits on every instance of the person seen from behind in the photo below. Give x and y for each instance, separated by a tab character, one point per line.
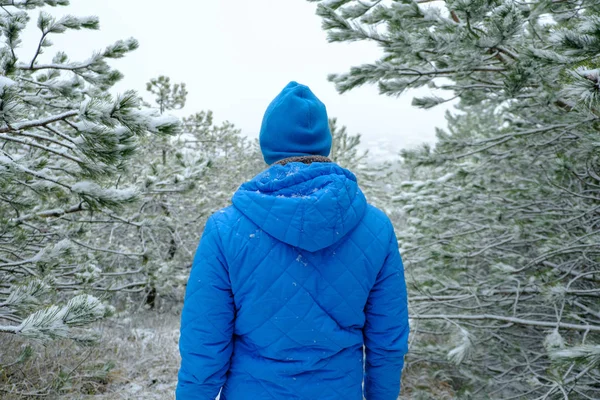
297	289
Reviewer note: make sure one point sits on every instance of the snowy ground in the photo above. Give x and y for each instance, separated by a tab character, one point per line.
146	357
137	358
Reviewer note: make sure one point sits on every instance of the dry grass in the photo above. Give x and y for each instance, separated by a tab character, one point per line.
138	358
424	381
146	356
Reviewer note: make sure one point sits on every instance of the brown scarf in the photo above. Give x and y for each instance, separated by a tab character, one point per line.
303	159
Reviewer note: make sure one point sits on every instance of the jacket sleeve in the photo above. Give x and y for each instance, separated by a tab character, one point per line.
207	322
386	329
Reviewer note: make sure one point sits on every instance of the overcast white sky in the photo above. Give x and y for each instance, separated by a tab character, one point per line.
236	55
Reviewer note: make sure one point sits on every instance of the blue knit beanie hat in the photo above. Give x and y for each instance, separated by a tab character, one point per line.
295	124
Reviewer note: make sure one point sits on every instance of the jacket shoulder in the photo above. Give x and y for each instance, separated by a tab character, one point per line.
225	218
375	232
377	219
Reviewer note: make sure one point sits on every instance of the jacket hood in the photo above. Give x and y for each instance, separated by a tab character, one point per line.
310	206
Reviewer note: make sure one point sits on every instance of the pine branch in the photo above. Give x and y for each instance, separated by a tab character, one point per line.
40	122
57	212
121	253
38	50
512	320
412	72
70	146
8	329
62	67
42	147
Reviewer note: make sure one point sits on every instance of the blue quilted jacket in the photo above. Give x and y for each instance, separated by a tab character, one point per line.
286	287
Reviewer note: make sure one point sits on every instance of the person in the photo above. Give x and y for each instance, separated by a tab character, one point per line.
297	289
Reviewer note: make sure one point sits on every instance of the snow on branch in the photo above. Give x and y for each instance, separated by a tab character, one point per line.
56	321
514	320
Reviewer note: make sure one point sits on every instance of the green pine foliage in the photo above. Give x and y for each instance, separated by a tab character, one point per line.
64	141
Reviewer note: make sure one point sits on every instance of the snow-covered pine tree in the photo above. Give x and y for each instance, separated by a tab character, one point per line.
345	151
162	196
345	147
167	97
232	158
63	143
180	181
501	235
225	159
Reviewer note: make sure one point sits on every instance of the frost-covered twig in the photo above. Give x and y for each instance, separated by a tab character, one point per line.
57	212
521	321
39	122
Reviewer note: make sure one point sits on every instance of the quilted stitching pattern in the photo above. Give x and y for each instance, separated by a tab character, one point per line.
287	286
